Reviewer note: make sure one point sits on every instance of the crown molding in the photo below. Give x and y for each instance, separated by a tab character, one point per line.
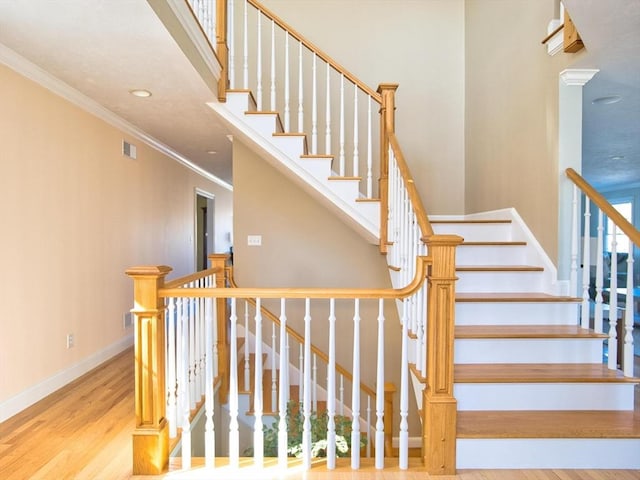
577	76
43	78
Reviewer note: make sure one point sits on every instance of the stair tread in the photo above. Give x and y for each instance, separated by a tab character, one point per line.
492	244
525	331
538	373
548	424
523	297
498	268
477	221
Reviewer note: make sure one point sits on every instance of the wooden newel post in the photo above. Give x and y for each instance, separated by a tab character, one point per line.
439	406
151	435
387	125
219	260
222	49
389	391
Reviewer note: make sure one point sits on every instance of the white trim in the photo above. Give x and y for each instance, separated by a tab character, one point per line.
577	76
37	392
33	72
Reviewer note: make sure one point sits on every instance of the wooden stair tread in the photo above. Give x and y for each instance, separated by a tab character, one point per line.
516	297
471	222
316	155
364	200
498	268
492	244
525	331
538	373
548	424
345	178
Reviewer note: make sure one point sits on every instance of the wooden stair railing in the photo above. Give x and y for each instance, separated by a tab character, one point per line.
620	344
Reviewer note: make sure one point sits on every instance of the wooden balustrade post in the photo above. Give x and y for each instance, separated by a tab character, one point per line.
219	260
389	391
439	406
387	125
222	49
151	435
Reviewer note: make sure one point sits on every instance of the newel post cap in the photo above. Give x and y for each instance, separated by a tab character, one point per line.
148	271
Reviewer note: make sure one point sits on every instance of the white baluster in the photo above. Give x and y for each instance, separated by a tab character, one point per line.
209	429
314	390
342	395
613	303
597	322
356	153
245	55
403	453
231	41
380	389
300	91
355	390
287	93
282	424
179	359
575	229
274	387
628	317
341	153
586	264
301	372
273	67
258	439
327	136
259	63
306	403
368	426
234	435
314	105
247	367
194	377
369	150
171	369
185	394
331	388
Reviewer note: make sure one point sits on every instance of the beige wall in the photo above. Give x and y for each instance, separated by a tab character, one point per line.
511	136
418	44
75	214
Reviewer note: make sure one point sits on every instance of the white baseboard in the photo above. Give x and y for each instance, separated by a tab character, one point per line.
37	392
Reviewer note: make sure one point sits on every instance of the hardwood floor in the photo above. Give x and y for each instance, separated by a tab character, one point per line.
83	431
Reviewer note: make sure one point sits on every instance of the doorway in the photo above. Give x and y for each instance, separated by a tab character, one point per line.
205	228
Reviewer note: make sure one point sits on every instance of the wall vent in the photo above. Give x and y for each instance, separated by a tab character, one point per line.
129	150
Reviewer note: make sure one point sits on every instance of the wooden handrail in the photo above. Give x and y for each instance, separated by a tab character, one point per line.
336	66
285	292
552	34
176	283
421	213
300	339
602	203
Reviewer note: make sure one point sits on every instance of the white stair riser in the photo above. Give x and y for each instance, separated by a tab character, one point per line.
476	232
544	396
238	103
503	350
291	145
263	124
369	210
500	282
347	190
491	255
320	168
537	453
490	313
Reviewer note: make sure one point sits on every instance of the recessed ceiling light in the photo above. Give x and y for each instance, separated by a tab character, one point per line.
140	93
211	152
607	100
616	157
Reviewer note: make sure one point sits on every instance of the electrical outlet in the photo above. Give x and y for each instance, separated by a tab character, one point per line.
70	340
127	320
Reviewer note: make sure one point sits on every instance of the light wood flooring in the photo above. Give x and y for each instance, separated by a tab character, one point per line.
83	431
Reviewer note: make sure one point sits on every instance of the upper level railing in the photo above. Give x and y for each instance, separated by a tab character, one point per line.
599	288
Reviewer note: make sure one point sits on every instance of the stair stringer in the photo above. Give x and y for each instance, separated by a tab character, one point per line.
348	212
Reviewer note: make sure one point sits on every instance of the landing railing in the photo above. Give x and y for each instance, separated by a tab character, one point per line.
202	299
601	293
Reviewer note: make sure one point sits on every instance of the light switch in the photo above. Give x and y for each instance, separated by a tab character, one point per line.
254	240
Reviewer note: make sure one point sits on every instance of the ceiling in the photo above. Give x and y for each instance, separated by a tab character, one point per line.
104	49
